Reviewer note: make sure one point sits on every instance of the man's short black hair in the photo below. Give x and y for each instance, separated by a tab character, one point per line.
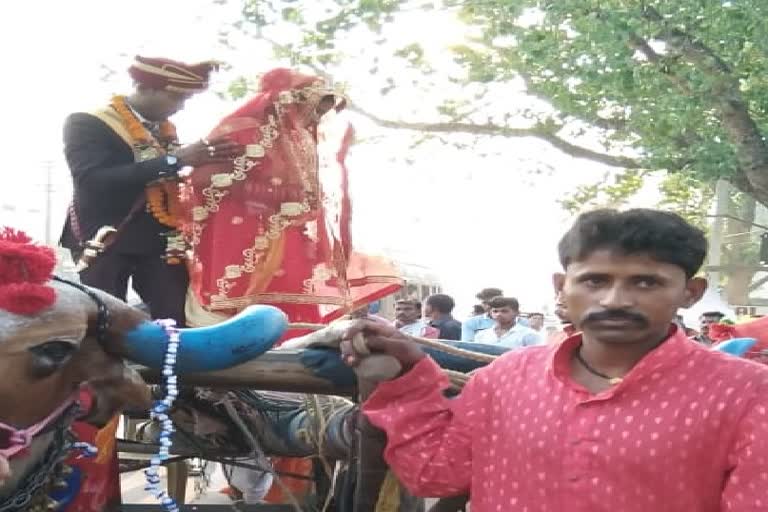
409	302
664	236
717	314
531	315
487	294
478	309
504	302
441	302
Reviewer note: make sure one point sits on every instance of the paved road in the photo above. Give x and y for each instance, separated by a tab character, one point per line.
133	490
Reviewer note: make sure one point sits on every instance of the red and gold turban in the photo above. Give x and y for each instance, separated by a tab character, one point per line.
170	75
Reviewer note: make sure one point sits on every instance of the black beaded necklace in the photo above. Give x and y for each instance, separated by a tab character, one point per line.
580	359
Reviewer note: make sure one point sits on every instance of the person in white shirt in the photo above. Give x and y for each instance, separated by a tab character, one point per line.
536	321
408	319
506	331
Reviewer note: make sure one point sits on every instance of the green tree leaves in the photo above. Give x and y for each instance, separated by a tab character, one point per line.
683	85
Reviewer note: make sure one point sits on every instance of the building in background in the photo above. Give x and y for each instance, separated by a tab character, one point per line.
420	283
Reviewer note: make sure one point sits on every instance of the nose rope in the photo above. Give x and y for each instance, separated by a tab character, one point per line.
20	439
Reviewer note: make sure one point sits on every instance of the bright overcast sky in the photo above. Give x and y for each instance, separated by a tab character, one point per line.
476	221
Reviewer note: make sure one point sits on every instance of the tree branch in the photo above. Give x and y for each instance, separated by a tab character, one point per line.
741	129
605	123
680	39
608	123
489	129
639	44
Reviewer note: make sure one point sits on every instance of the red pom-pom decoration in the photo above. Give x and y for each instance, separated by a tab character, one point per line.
26	298
25	269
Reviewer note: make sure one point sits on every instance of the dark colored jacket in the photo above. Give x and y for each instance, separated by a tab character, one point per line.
107	183
449	327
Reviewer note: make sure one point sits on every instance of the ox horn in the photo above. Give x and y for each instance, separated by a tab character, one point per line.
243	337
736	346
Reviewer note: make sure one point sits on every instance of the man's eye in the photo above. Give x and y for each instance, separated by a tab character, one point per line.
647	283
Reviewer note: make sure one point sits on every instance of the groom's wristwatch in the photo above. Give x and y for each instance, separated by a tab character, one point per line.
172	166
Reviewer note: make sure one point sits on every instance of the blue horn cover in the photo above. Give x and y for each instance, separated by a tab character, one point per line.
736	347
243	337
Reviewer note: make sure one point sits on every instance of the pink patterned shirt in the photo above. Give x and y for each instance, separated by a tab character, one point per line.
686	431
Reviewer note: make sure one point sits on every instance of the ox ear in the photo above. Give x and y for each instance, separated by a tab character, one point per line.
114	386
114	391
217	347
123	318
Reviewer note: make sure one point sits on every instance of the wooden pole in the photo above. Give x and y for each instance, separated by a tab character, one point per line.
276	370
371	467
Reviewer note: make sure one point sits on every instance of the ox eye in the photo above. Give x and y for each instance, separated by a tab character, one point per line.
55	350
50	356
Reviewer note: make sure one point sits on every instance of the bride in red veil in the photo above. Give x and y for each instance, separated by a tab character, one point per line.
275	227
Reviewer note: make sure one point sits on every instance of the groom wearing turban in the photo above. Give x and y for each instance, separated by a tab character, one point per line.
124	160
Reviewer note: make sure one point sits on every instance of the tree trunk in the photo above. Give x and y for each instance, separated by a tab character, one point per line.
739	235
737	286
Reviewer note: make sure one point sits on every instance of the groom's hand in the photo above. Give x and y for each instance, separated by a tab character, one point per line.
212	151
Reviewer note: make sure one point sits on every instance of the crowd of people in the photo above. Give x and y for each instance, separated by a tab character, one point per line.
497	321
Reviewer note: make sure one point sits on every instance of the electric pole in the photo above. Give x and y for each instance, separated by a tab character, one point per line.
48	165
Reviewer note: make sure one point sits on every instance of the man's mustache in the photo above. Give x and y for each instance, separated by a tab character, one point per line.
616	315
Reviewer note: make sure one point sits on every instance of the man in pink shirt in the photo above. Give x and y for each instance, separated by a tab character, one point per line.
566	326
628	415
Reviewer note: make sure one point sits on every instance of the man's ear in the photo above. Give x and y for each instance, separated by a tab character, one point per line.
694	290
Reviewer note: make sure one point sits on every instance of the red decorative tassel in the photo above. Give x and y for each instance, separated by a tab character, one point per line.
722	332
12	235
25	269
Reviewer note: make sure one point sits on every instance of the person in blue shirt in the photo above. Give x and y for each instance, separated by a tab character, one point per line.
477	323
507	331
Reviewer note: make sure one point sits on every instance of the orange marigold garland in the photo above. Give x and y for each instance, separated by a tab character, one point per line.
163	202
140	135
163	195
